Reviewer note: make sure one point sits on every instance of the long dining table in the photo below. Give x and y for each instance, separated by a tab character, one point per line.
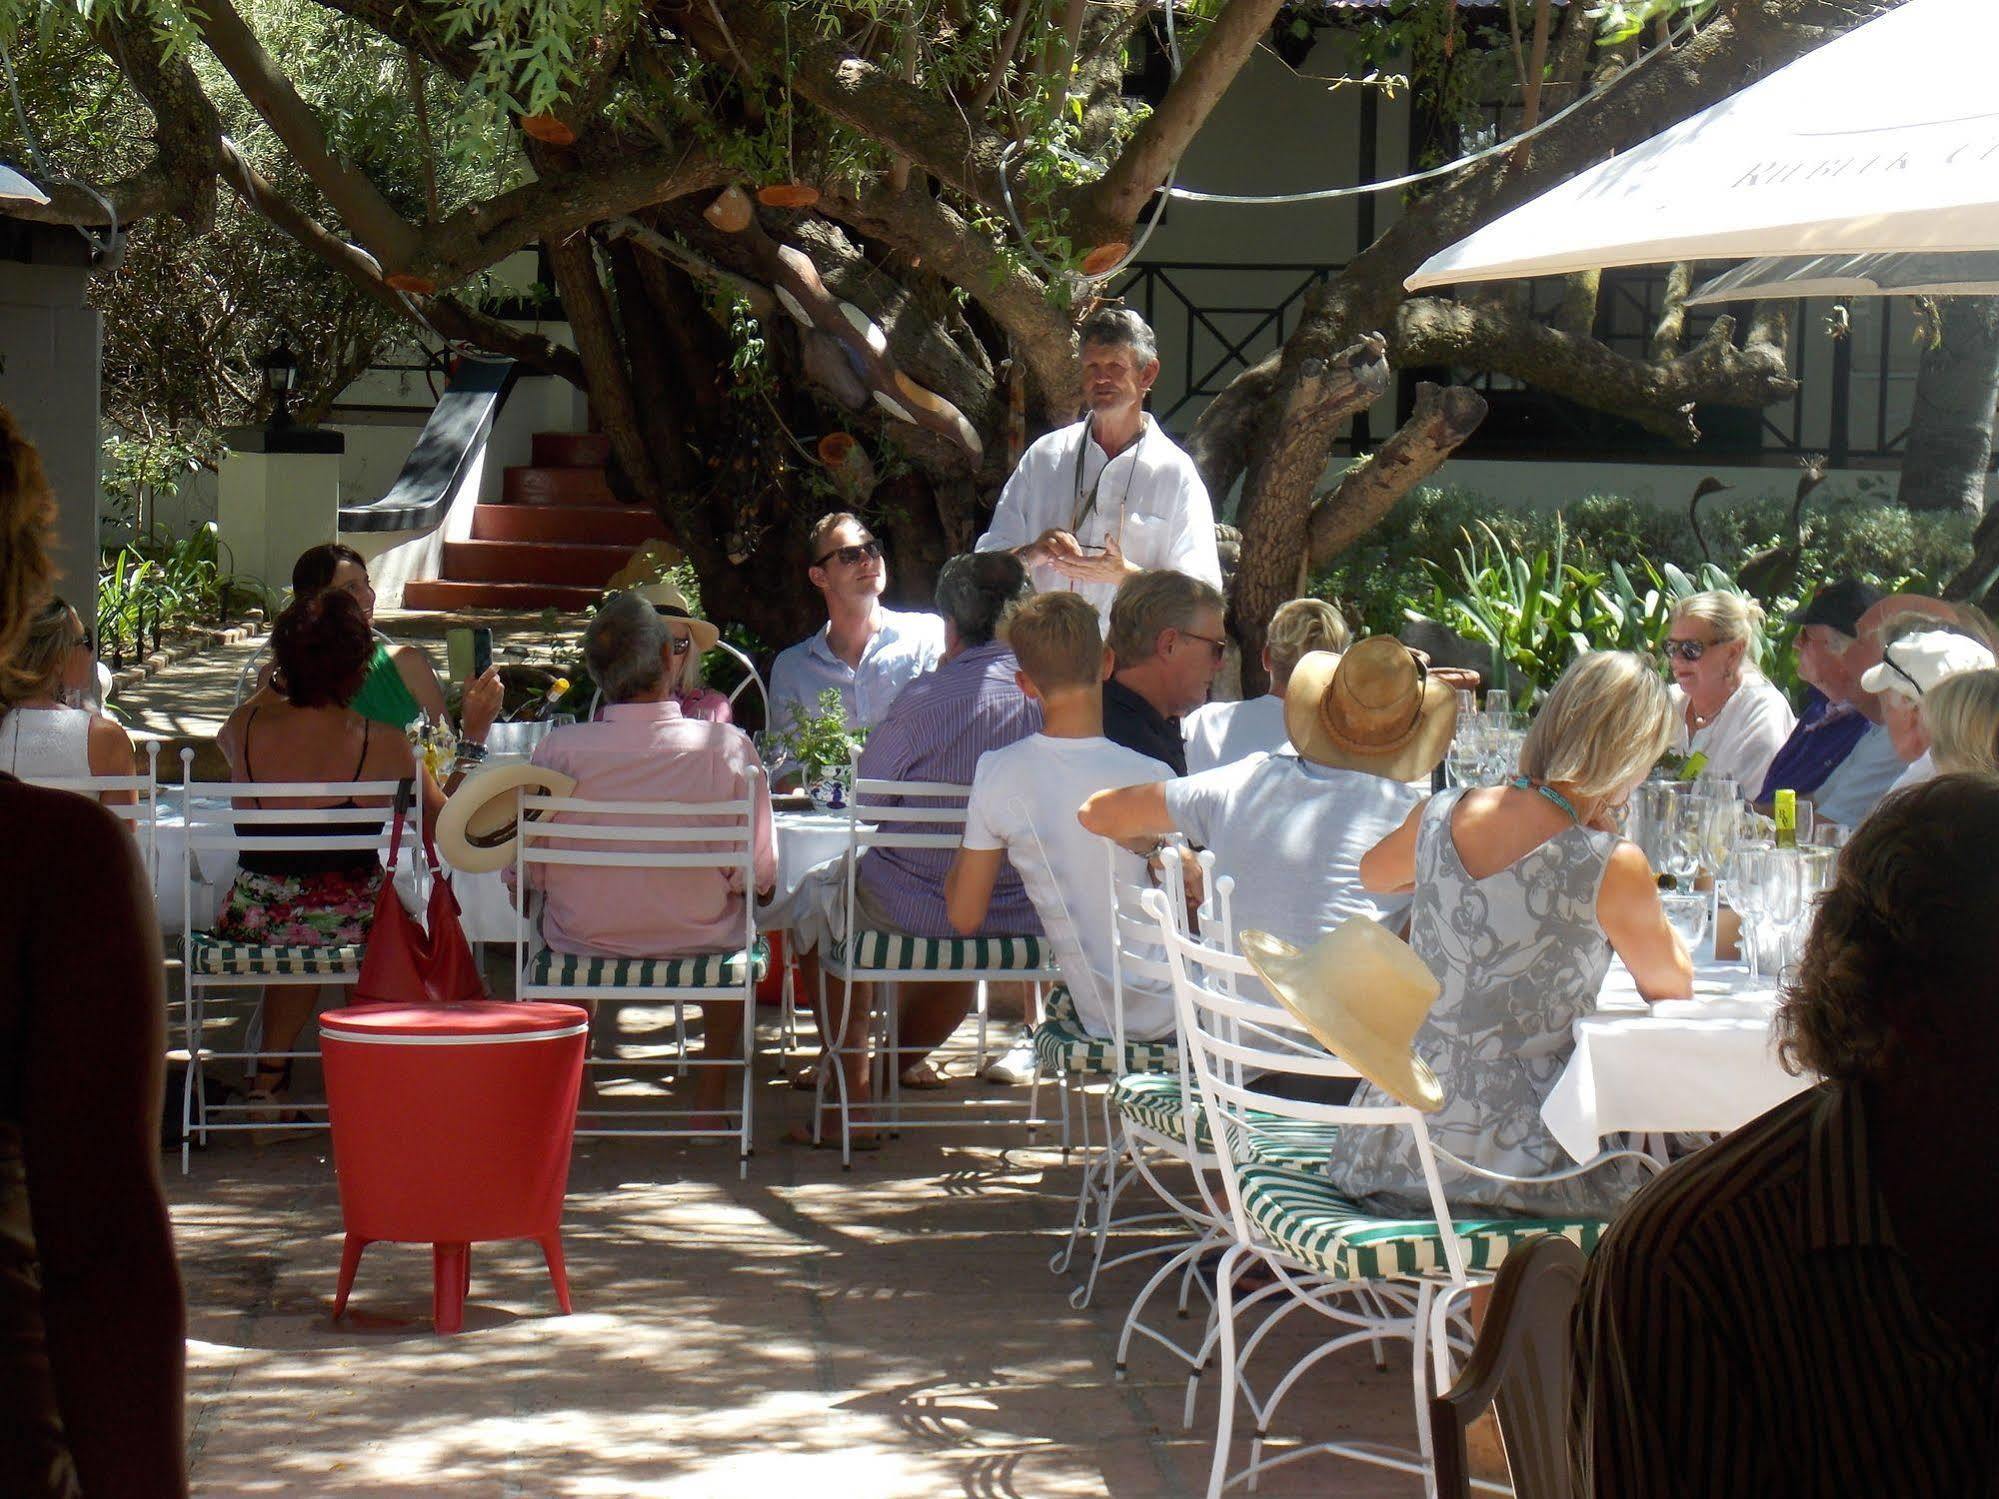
1705	1064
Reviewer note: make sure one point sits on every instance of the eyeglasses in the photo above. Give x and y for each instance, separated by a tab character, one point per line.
1901	671
851	555
87	641
1219	647
680	644
1688	651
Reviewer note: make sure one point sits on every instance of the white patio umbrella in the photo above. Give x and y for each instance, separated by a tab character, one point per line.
1971	273
14	188
1884	139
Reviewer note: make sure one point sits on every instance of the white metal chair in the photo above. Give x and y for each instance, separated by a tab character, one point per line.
142	812
210	963
886	958
642	835
751	675
1321	1251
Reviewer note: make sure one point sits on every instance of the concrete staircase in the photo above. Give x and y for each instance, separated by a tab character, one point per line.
554	540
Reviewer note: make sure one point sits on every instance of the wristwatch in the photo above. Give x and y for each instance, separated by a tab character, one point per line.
470	753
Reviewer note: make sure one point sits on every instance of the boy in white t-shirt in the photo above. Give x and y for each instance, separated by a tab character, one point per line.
1023	810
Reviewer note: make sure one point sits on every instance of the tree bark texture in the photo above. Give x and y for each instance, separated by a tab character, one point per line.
1949	455
1441	421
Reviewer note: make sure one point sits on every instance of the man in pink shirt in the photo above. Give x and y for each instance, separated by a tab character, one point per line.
645	749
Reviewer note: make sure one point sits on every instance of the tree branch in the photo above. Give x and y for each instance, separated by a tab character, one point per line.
574	263
1121	192
357	200
439	314
1441	421
1659	397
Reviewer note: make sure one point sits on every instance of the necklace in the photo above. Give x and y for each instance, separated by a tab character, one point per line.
1539	788
1085	501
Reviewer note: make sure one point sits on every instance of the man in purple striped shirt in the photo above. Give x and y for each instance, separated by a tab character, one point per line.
936	730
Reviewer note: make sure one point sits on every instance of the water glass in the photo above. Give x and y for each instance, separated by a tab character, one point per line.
1498	702
1686	914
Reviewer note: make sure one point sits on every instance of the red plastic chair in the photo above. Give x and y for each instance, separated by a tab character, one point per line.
452	1124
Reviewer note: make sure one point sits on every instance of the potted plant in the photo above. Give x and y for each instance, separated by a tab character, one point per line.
825	749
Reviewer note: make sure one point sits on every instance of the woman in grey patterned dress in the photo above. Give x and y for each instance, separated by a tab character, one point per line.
1522	892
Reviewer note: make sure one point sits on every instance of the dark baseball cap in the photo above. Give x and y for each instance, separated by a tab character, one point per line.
1839	606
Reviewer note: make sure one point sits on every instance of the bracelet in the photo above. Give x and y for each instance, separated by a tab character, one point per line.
470	753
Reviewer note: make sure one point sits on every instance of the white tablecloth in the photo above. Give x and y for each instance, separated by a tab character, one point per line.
1708	1063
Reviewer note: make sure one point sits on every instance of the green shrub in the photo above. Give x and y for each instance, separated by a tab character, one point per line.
1384	574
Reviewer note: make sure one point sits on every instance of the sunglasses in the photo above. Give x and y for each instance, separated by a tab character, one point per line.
1219	647
87	641
1688	651
680	645
851	555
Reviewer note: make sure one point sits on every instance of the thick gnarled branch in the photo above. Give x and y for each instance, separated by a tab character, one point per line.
1443	417
1659	397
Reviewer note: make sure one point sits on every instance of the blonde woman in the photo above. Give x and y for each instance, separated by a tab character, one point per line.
1963	716
46	734
1723	709
1223	733
1521	894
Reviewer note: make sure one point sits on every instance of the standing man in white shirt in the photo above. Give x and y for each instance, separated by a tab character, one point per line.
866	652
1111	495
1223	733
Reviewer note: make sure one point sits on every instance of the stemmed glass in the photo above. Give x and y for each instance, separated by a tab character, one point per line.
1466	759
1784	905
1740	884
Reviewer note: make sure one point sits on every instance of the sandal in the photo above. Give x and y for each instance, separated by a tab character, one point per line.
274	1119
923	1078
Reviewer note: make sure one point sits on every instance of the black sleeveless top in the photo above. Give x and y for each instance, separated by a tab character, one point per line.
277	862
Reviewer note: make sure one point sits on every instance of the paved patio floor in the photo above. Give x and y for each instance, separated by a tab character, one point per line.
889	1332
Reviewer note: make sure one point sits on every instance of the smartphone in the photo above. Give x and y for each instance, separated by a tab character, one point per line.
468	651
482	650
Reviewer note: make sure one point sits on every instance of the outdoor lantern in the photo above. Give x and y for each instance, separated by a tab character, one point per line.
280	371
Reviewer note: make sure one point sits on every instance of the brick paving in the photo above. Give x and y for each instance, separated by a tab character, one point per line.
889	1332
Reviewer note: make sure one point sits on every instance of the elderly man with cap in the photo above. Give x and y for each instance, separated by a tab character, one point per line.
1093	503
1290	828
1915	656
644	749
1839	755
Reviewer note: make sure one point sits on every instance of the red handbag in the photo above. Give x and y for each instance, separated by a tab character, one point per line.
407	964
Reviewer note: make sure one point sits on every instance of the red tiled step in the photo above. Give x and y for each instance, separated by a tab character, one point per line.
571	450
443	594
556	486
576	563
626	525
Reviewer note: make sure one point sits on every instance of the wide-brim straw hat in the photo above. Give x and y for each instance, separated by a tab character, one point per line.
1362	993
672	603
476	829
1375	709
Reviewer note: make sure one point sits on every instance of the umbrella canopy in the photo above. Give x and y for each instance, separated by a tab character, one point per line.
1884	139
1973	273
14	188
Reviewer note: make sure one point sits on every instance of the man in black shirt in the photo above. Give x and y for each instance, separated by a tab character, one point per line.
1166	632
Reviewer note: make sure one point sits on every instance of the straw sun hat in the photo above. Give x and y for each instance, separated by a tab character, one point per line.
476	828
671	602
1362	993
1374	709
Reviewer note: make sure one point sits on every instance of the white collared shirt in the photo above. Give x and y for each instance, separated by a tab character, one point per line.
904	646
1150	497
1223	733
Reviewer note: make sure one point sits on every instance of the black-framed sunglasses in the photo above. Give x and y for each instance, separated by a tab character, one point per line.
851	555
680	645
1219	647
1901	671
87	641
1688	651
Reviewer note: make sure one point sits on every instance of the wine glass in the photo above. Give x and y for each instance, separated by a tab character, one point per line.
1784	905
1740	884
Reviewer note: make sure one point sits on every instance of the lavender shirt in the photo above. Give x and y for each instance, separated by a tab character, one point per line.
938	727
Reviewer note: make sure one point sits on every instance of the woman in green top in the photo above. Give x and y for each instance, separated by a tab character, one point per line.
401	684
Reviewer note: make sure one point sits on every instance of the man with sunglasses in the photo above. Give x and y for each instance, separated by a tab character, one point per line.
1166	633
866	653
1095	503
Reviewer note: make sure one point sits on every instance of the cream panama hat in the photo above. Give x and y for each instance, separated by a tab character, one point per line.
476	828
1376	709
1362	993
671	602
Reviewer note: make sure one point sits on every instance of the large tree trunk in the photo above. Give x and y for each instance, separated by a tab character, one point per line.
1950	431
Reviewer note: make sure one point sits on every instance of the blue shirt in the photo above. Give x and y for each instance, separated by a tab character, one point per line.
904	646
1852	787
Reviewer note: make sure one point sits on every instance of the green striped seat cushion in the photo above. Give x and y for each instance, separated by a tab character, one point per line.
1308	1219
708	970
1062	1045
212	955
1152	1101
879	951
